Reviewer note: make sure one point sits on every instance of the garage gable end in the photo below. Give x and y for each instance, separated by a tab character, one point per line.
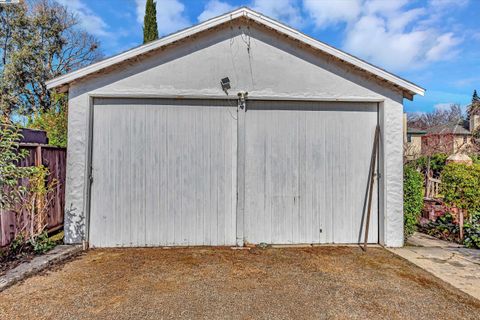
242	23
252	58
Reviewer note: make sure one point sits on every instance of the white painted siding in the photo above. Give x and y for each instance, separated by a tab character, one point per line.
164	173
306	172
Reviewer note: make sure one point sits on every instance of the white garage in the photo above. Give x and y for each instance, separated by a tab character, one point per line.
236	131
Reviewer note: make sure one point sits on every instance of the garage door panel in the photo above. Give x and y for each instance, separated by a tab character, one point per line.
163	173
307	171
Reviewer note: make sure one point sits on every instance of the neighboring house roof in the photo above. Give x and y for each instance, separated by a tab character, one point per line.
457	127
411	130
459	157
409	89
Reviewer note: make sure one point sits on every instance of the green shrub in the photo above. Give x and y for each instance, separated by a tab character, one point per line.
461	186
443	228
475	158
437	163
412	198
53	121
10	173
446	229
42	243
472	231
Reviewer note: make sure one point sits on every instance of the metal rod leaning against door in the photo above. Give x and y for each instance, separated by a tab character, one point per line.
371	183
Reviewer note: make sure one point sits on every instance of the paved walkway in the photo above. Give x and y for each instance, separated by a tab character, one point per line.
453	263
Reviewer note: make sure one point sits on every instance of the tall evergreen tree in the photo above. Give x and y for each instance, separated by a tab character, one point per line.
475	106
150	29
475	98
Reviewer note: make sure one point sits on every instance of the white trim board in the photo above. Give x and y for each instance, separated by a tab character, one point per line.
259	18
134	95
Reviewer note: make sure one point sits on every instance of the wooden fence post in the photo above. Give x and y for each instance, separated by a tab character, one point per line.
38	198
38	156
460	223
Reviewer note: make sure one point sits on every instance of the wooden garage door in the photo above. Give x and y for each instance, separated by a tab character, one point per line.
306	171
164	173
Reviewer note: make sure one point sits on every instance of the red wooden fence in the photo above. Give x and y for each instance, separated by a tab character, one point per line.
55	160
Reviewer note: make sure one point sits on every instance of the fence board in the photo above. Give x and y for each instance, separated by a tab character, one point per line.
55	160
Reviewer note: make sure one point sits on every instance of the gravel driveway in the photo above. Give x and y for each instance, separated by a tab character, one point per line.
300	283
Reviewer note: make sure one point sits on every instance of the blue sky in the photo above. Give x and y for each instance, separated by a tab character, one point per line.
434	43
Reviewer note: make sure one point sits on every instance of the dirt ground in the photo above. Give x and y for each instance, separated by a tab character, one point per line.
220	283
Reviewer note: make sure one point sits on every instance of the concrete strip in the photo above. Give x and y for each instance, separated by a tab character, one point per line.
455	265
38	264
424	240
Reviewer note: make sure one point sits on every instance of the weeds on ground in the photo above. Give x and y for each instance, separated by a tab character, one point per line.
22	249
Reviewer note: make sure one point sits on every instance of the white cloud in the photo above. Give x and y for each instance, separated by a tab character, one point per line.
88	20
444	48
389	33
371	39
331	12
399	22
170	15
214	8
466	82
383	7
287	11
441	4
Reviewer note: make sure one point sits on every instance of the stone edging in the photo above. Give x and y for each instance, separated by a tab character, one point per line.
38	264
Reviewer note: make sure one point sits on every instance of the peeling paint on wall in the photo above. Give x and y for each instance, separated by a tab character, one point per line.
74	225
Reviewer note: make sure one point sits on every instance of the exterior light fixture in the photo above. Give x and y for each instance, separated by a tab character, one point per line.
225	83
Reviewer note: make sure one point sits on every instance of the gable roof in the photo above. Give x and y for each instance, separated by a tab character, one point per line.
407	87
413	130
454	127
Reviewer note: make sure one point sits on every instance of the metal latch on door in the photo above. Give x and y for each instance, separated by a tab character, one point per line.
242	96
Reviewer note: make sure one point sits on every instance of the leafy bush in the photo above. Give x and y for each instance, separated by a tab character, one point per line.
10	173
443	228
461	189
472	231
412	198
25	191
461	186
18	245
53	121
437	163
36	200
42	243
23	248
475	157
